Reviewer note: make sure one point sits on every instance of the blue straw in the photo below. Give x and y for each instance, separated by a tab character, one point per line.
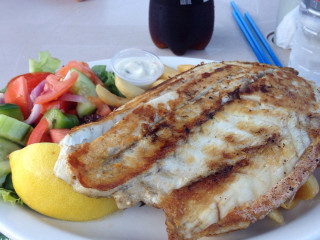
262	39
262	57
254	48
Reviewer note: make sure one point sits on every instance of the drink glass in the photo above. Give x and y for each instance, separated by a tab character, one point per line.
181	24
305	52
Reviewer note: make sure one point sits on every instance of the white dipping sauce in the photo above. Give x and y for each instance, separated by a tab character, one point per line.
137	68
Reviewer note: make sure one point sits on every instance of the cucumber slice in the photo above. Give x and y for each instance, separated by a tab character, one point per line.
84	87
14	130
7	147
85	108
11	110
4	170
57	119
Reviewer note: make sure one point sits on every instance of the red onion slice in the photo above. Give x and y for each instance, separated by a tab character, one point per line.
35	113
37	90
2	98
72	98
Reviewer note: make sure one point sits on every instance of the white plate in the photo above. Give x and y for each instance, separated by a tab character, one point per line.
145	223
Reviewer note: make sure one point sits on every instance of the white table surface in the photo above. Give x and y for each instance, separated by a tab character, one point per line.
97	29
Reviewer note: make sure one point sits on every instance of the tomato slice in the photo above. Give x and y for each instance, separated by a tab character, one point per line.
17	93
55	88
39	133
57	134
102	108
82	67
33	79
64	106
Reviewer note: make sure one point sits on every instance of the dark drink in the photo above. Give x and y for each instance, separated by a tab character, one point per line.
181	24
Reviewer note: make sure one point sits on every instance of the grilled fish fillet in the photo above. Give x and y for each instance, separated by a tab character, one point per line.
217	147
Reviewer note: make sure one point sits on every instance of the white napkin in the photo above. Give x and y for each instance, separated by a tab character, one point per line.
286	29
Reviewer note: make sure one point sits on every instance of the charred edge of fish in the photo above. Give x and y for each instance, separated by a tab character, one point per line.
235	94
223	68
205	75
168	147
152	132
73	159
255	86
263	88
208	74
75	164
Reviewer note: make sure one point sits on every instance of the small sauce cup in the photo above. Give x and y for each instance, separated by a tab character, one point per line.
138	67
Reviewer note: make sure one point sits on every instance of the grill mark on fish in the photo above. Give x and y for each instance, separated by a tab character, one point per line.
237	153
168	147
205	191
180	199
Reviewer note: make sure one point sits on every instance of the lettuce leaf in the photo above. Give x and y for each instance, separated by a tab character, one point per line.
7	192
46	63
10	196
107	78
